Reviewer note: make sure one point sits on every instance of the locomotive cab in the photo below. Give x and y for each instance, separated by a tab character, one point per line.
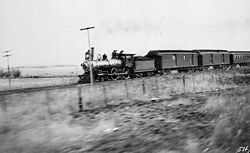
127	60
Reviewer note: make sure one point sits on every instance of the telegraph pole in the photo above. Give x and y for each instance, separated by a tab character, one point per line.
7	54
90	55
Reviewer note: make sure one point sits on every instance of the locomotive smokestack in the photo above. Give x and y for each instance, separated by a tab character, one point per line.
92	53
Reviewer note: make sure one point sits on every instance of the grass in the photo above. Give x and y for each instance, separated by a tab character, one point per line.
13	73
40	121
233	126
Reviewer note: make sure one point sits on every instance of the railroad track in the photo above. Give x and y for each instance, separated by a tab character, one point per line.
60	86
51	87
34	89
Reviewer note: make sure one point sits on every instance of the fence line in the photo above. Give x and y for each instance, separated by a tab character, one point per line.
129	89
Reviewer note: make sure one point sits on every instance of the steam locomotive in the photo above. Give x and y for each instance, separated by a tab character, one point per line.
127	66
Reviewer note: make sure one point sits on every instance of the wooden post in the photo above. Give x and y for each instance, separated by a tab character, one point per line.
184	81
219	74
143	87
80	99
126	88
105	95
157	87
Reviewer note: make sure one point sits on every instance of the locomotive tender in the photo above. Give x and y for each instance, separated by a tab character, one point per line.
161	62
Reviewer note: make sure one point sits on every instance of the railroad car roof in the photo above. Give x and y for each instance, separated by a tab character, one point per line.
162	52
142	58
211	51
239	52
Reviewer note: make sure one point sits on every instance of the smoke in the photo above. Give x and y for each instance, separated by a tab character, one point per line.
131	26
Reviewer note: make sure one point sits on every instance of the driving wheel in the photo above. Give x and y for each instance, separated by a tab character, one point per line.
114	75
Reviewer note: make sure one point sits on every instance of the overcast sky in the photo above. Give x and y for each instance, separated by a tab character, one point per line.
47	32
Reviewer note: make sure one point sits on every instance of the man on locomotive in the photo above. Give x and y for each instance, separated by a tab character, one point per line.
104	57
99	57
114	54
120	55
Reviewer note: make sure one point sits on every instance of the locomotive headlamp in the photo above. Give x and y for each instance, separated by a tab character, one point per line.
87	56
85	66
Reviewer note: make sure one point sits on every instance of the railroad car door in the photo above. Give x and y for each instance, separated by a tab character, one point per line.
174	58
223	58
192	59
211	59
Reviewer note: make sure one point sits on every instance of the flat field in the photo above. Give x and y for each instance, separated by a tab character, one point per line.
18	83
179	113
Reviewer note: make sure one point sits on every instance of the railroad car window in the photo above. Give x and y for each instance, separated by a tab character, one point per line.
184	57
129	58
173	57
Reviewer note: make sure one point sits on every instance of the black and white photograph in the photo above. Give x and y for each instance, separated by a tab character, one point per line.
124	76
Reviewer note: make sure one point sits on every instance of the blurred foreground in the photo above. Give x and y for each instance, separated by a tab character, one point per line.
190	113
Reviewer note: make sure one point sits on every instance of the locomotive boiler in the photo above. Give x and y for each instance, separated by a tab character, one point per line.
105	69
101	64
